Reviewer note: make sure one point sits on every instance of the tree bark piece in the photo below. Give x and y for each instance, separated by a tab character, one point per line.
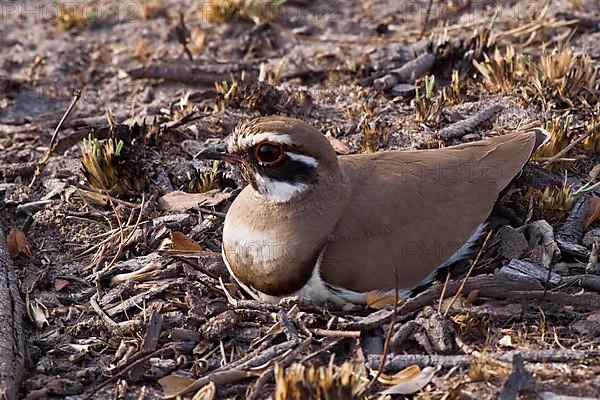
572	230
469	124
407	73
12	346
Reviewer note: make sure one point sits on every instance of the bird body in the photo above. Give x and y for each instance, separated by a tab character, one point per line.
329	228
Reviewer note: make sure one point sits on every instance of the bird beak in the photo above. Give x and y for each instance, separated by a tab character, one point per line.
214	153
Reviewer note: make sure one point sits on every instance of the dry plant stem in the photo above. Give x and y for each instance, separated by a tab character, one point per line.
593	130
110	324
443	295
42	163
198	267
473	264
337	334
12	346
123	241
105	194
469	124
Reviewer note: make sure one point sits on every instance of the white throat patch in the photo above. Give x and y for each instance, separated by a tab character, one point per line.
278	191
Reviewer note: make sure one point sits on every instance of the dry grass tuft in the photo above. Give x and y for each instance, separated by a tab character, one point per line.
150	9
592	143
72	15
551	204
299	382
374	135
561	78
560	129
457	91
428	109
500	71
257	11
105	167
205	182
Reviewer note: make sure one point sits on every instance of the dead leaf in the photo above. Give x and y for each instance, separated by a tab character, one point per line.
181	201
378	300
406	374
60	284
206	393
593	212
173	384
414	384
338	145
17	243
197	40
182	245
37	313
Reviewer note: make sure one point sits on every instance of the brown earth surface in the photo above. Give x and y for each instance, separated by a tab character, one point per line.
113	304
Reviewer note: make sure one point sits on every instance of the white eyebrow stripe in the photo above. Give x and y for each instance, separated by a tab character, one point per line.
308	160
265	136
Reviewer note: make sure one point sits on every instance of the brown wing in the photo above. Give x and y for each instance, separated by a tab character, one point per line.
411	210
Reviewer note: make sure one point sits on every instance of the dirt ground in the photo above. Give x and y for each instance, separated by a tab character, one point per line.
115	301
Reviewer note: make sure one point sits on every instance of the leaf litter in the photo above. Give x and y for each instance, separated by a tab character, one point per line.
126	293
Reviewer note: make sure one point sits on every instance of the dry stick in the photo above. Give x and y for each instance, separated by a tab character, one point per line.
443	294
462	285
469	124
593	130
124	242
42	163
12	347
337	334
112	325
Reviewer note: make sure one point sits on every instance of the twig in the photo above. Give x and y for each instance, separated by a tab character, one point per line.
443	294
469	124
462	285
44	160
212	212
123	242
336	334
112	325
592	131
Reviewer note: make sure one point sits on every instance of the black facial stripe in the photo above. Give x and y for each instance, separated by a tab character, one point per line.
288	170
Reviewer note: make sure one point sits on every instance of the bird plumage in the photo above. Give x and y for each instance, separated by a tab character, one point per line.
358	220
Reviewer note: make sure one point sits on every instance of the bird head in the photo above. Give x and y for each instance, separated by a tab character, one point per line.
281	158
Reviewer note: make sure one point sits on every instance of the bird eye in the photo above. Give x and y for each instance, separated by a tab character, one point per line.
268	153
